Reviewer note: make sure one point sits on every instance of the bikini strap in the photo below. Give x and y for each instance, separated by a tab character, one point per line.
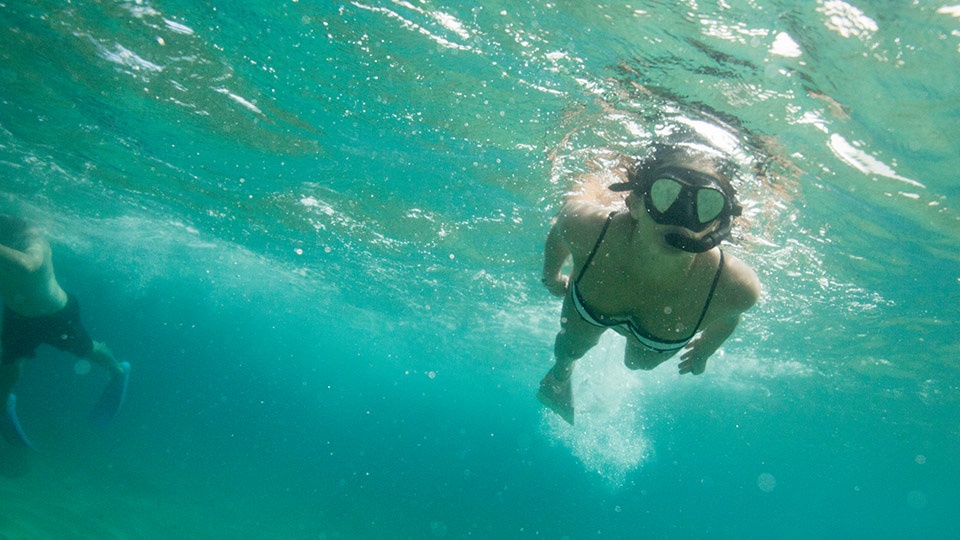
713	287
606	225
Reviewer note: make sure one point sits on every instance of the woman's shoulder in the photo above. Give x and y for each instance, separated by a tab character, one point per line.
739	284
584	213
581	223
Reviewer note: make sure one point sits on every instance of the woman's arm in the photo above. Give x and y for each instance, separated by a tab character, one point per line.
694	357
555	253
585	208
740	291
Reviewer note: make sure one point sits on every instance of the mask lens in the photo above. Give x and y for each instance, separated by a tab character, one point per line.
710	204
663	193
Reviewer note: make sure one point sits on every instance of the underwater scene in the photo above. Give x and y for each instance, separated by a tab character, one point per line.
315	232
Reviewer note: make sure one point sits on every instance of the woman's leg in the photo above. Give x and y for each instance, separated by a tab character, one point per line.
575	338
636	356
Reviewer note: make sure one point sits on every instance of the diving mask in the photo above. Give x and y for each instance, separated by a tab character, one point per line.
685	198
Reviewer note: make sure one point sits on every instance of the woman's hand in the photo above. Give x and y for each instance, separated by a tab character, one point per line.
694	358
556	285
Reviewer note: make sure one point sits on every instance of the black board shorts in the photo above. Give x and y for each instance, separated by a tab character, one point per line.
22	335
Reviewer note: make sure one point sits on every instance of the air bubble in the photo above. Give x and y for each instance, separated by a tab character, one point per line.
82	367
766	482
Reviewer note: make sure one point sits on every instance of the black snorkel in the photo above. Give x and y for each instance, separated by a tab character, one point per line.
707	241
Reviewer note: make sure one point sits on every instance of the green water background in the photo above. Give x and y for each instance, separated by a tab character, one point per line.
315	228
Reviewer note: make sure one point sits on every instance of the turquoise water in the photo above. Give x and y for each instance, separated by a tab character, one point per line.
314	228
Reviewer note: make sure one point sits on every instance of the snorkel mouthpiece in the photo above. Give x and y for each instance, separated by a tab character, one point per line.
709	240
697	245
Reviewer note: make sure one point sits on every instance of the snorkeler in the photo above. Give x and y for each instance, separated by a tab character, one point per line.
653	272
36	311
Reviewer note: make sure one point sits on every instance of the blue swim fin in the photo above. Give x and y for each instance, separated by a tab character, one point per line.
10	425
112	398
